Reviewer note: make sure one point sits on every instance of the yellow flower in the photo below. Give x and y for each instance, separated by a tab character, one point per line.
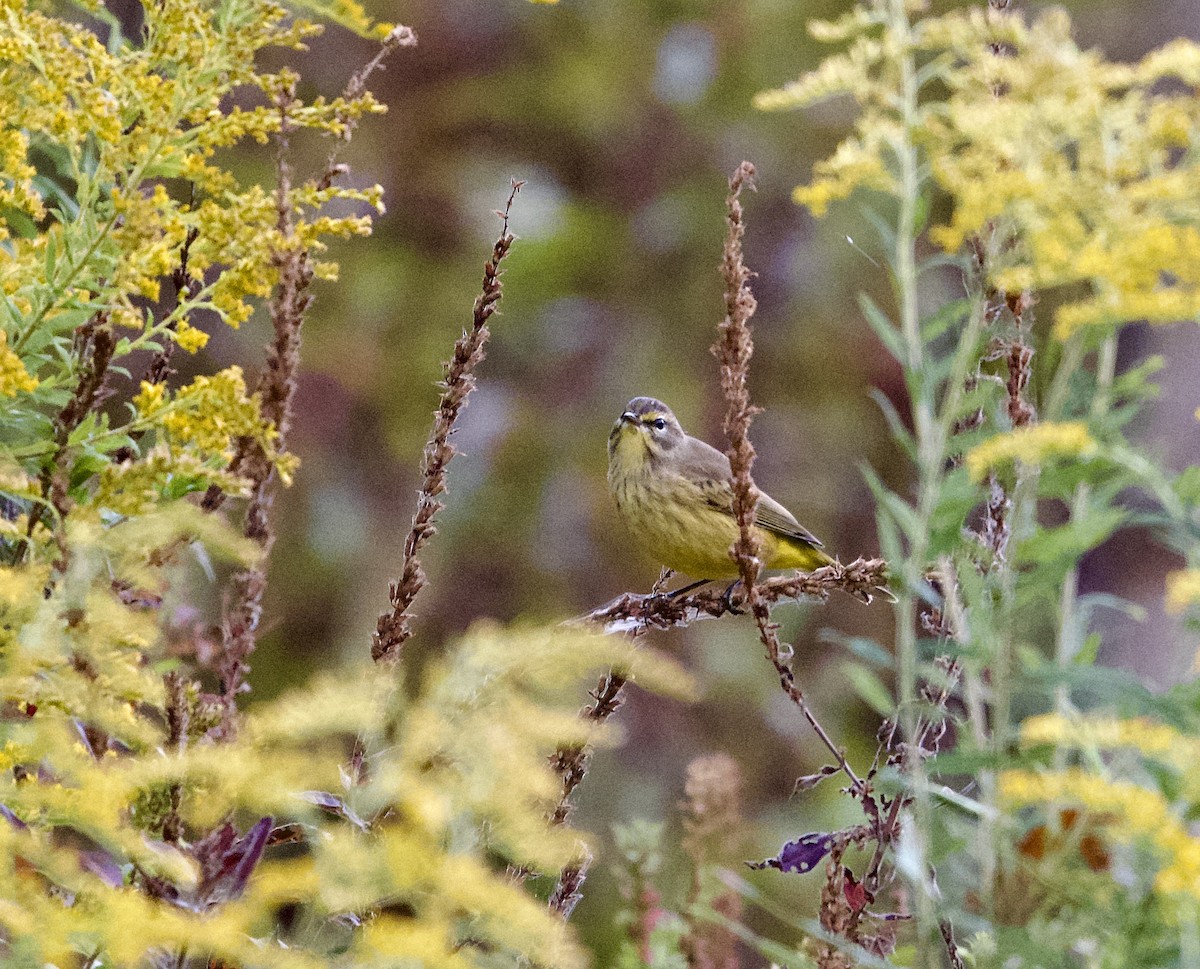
1031	445
1144	735
190	338
1134	812
150	398
14	378
1183	589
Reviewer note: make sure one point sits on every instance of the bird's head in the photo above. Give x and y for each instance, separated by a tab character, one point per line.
645	431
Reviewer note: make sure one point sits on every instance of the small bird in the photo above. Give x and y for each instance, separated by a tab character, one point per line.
674	493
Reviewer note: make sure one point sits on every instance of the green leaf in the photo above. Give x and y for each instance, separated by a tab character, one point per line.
863	647
1087	650
900	432
921	213
1065	544
1092	601
896	507
1187	485
86	428
889	334
883	225
870	688
951	314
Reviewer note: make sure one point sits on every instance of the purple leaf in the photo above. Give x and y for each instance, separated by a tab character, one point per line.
227	861
801	855
16	822
250	849
103	866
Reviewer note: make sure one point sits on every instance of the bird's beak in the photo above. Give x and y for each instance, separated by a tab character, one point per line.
629	417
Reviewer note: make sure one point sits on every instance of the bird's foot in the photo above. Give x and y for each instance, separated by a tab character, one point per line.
727	599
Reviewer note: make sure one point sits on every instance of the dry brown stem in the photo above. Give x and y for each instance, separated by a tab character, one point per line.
861	578
835	912
567	891
178	723
571	763
356	87
93	348
733	350
276	388
185	288
395	627
290	297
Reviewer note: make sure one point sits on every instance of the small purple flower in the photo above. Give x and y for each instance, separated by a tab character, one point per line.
803	854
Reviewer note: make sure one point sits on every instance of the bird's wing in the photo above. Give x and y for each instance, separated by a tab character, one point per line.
772	516
710	468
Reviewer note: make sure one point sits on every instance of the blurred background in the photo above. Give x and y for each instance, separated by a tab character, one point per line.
625	118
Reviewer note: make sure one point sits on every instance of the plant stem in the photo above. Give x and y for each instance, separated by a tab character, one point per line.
930	447
1069	641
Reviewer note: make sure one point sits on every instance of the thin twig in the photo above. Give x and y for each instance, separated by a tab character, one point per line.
567	891
571	765
395	627
862	579
185	288
947	931
178	725
400	36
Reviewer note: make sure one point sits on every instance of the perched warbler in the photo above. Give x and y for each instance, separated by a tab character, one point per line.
675	495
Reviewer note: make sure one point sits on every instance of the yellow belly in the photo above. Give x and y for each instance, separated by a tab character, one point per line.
680	530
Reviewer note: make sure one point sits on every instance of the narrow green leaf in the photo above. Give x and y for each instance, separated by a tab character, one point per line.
870	688
900	432
863	647
888	333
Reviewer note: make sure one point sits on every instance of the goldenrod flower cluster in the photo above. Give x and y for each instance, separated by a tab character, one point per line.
1183	589
1082	163
1157	740
135	128
208	416
14	378
1033	444
1128	811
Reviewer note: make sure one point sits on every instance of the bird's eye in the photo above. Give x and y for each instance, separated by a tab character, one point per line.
659	424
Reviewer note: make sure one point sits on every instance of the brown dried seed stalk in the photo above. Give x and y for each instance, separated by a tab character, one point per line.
395	627
277	388
733	350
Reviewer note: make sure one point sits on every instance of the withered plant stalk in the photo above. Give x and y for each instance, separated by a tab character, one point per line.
277	385
395	626
277	388
92	350
733	350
